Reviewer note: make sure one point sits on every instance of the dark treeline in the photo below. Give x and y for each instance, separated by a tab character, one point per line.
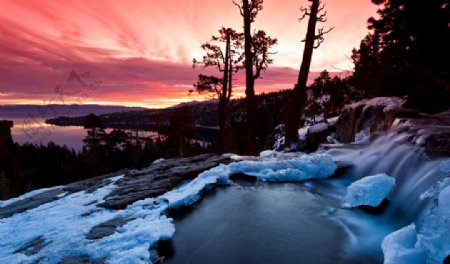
407	53
27	167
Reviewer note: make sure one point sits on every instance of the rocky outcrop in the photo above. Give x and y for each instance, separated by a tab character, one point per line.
158	179
376	114
135	185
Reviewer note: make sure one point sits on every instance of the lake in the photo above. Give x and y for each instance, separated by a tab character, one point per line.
34	130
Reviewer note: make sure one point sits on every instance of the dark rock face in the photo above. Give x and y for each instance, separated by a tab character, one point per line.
359	117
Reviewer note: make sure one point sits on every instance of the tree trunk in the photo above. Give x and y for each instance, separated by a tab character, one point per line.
299	93
249	80
224	96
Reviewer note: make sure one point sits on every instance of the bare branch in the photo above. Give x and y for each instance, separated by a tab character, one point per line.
322	17
320	36
304	13
240	8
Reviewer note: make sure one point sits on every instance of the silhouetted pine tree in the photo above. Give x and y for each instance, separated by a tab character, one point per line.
312	41
256	59
227	62
407	53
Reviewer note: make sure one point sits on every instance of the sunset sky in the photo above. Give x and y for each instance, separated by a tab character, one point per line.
139	52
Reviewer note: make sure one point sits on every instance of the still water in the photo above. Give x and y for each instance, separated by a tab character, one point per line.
36	131
274	223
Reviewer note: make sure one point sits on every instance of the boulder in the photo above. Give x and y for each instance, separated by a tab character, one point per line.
376	114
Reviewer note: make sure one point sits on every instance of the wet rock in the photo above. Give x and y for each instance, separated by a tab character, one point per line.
438	145
30	203
376	114
107	228
32	247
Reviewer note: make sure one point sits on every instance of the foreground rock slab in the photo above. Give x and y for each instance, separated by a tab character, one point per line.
136	185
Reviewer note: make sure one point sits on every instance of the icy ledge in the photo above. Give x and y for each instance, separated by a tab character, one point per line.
370	190
427	241
57	230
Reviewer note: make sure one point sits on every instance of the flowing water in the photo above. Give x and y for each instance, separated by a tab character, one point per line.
304	222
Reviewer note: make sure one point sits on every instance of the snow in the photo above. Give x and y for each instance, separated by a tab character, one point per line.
332	121
302	132
370	190
317	128
399	247
64	223
427	241
388	103
158	161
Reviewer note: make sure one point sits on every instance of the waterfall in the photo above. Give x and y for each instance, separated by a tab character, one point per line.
398	153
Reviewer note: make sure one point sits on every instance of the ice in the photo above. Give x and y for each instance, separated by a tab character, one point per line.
435	189
370	190
428	241
399	247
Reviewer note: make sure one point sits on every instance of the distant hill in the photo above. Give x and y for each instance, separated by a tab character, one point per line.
204	114
56	110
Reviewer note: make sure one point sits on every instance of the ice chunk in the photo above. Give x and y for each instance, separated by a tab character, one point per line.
399	247
444	202
428	240
370	190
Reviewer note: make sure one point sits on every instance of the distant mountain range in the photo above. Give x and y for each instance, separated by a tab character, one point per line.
56	110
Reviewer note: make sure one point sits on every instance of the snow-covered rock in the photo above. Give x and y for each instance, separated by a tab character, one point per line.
387	103
427	241
320	127
64	224
370	190
399	247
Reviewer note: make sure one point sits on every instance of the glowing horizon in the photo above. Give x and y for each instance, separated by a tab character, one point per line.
141	51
